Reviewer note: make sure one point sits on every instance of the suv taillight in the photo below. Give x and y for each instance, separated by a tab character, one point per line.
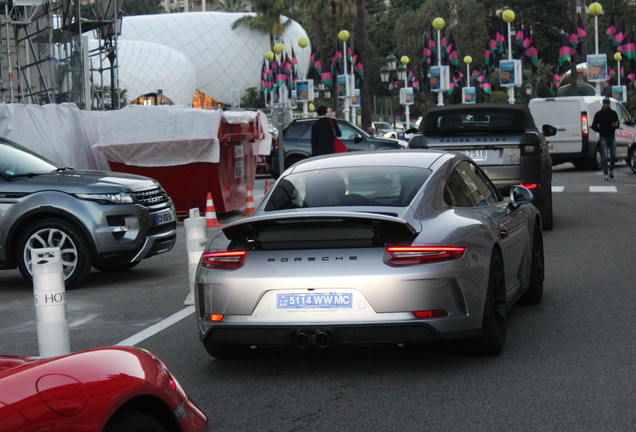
584	130
530	143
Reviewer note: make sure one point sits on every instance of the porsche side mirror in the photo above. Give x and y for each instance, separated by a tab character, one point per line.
548	130
357	138
520	195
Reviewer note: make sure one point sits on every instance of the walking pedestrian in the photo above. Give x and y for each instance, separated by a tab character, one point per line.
323	133
605	123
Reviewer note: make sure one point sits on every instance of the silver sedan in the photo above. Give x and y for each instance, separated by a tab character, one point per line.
386	247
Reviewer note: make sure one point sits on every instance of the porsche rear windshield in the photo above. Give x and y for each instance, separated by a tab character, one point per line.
478	119
390	186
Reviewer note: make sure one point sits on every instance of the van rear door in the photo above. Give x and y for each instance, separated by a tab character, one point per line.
563	114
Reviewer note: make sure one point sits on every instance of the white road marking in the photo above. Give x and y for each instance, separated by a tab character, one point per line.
82	321
156	328
603	189
558	188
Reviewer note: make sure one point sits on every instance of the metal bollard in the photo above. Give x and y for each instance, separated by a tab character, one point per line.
196	241
49	294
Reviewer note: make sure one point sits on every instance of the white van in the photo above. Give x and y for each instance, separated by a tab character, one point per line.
575	140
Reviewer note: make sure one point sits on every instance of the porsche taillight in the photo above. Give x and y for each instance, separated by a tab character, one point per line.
223	260
410	255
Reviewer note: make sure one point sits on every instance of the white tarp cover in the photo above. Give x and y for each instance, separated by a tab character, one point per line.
153	136
61	133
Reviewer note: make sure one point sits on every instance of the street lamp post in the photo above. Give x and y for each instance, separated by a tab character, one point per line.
508	17
403	76
278	49
385	74
438	24
302	43
344	37
595	11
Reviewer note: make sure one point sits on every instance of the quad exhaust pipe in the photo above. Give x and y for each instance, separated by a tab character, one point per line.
303	339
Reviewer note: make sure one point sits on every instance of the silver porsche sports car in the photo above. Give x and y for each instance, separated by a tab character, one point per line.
388	247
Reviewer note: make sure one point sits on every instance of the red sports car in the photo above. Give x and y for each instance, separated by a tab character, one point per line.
118	389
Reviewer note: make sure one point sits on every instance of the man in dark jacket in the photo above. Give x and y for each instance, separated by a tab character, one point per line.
605	123
322	133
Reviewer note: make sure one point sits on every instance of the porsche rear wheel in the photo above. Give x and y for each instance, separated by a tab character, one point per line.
134	421
534	294
494	322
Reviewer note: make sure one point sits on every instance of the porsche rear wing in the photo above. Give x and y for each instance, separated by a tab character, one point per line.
320	230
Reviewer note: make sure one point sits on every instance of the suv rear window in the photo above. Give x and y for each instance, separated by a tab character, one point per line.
296	130
477	119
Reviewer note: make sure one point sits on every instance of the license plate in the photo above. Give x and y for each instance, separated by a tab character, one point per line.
314	301
476	155
164	217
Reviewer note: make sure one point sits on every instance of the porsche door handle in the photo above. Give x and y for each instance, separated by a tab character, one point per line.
503	232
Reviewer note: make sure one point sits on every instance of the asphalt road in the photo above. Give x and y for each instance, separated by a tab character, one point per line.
568	362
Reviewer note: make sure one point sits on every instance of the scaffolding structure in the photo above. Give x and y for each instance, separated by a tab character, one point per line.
45	55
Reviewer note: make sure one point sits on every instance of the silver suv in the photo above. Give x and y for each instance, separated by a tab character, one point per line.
110	221
502	139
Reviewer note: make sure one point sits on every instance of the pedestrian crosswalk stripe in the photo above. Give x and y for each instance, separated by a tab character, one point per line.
603	189
558	188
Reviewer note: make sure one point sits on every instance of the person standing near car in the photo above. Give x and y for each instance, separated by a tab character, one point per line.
605	123
323	133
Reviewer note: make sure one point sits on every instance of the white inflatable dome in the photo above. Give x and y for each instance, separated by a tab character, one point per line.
146	67
223	59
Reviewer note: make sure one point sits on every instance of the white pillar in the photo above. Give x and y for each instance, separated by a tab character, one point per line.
305	112
618	72
196	241
203	5
406	110
49	295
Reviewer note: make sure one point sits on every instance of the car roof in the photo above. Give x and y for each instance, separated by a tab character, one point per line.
406	158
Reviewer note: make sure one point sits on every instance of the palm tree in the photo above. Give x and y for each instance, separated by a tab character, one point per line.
267	19
232	5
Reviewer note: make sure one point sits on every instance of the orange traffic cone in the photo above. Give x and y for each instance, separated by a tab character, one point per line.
249	202
266	187
210	213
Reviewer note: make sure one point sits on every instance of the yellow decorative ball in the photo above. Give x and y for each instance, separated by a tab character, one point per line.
438	23
596	9
404	60
269	55
343	35
508	16
311	107
618	56
278	48
303	42
468	59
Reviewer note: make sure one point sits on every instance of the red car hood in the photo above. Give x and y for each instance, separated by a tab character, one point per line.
10	362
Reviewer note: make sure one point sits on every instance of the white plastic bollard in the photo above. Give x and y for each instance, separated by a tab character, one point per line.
49	295
196	241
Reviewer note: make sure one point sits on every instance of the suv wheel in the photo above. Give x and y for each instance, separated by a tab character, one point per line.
76	257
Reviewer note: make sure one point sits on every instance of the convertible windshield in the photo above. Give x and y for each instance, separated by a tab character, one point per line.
17	162
348	186
477	119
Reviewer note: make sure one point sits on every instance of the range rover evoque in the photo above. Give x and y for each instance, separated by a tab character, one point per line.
110	221
502	139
